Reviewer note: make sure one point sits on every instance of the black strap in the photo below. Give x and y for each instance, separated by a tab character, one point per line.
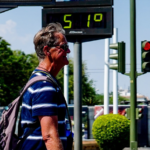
28	133
23	139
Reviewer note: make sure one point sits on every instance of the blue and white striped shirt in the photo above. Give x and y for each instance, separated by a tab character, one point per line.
41	99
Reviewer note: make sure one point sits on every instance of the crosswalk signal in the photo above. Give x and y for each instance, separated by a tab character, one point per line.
145	56
120	56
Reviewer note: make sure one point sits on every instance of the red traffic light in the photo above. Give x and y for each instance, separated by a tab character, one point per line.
147	46
140	110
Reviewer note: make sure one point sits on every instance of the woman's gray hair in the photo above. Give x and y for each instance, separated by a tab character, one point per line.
46	37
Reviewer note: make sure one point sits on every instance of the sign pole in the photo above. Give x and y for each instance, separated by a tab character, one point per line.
66	82
115	77
106	77
78	95
133	74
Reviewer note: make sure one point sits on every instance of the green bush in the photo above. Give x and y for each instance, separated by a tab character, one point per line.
111	131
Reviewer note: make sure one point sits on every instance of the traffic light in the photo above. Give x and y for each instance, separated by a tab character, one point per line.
145	56
139	113
127	113
120	56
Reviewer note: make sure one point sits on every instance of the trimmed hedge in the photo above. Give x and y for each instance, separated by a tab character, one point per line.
111	131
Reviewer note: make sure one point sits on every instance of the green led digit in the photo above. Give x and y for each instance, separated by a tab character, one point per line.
99	16
67	21
88	22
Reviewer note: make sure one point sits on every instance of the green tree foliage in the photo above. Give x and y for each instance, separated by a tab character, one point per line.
87	86
15	70
100	99
120	99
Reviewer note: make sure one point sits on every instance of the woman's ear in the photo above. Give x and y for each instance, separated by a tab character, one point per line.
46	50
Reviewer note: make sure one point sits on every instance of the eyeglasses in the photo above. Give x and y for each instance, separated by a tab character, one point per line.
65	47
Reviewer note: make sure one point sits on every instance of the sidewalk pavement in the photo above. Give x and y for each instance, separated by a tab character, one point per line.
139	148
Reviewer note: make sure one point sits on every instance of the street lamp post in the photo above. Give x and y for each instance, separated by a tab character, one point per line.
133	75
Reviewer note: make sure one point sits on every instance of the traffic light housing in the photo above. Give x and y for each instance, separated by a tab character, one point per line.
139	112
145	56
120	56
127	113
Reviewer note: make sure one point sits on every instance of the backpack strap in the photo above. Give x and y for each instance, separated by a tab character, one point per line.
32	81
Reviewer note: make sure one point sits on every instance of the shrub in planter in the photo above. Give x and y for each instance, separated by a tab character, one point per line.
111	131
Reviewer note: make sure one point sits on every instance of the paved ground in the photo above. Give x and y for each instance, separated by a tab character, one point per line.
140	148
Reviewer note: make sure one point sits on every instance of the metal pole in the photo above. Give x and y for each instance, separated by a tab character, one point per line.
66	83
106	77
133	124
77	96
115	77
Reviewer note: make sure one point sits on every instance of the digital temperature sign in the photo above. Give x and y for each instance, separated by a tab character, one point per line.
79	21
86	23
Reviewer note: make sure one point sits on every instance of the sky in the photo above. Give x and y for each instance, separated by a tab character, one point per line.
18	27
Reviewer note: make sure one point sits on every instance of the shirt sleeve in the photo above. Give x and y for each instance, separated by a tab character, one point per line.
44	101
